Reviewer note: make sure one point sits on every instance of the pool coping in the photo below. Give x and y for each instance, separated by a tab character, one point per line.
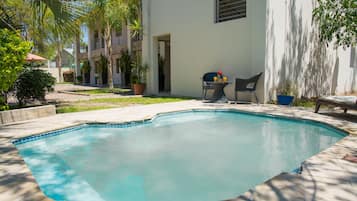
352	132
125	124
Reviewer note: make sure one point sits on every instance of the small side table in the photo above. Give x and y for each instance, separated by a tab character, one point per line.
218	91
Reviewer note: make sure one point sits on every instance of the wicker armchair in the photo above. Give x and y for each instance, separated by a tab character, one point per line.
207	81
247	85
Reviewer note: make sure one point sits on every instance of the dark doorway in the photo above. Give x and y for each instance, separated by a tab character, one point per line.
104	67
105	75
164	63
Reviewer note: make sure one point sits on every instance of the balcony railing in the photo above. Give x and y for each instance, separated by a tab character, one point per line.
138	37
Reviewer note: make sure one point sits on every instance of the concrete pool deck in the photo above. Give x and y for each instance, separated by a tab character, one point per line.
325	176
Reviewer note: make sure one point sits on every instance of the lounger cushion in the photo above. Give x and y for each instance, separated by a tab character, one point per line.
343	100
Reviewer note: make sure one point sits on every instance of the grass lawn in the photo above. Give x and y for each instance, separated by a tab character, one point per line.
305	103
104	91
107	103
64	83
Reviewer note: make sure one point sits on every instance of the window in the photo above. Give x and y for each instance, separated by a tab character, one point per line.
118	32
96	35
117	66
96	40
230	10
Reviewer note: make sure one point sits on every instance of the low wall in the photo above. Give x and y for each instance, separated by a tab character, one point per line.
11	116
54	72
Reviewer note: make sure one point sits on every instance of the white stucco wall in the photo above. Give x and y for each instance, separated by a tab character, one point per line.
277	37
294	53
199	45
55	72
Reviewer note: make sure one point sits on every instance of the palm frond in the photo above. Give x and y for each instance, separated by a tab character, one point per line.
7	19
64	12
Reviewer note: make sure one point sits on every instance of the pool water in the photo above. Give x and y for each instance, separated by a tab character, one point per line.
187	156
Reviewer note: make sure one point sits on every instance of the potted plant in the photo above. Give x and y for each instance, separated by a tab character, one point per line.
139	77
285	94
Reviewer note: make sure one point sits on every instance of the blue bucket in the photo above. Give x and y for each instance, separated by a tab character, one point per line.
285	100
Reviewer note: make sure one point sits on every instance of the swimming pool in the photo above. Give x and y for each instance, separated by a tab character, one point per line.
203	155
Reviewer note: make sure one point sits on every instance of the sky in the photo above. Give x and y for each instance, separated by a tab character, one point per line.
84	30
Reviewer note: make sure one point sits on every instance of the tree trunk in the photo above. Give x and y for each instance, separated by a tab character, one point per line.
77	53
59	63
109	53
129	38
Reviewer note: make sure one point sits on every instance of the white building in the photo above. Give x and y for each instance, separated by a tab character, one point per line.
94	53
241	38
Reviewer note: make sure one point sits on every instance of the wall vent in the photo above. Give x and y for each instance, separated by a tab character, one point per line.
230	10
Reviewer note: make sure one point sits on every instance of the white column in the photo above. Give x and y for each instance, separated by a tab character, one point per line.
149	50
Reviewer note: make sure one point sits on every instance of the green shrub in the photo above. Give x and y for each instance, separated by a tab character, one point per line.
336	21
13	51
32	84
287	89
79	78
139	73
304	102
3	104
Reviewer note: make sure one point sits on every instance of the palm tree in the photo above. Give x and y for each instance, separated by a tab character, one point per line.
52	22
7	19
64	12
58	32
58	40
109	15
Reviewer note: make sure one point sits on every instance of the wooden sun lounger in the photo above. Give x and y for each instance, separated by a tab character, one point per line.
345	102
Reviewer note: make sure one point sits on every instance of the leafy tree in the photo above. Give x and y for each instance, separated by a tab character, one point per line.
51	34
13	51
8	18
64	12
50	24
337	21
32	84
110	15
57	40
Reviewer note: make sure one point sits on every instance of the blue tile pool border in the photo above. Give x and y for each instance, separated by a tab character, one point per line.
75	128
47	134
